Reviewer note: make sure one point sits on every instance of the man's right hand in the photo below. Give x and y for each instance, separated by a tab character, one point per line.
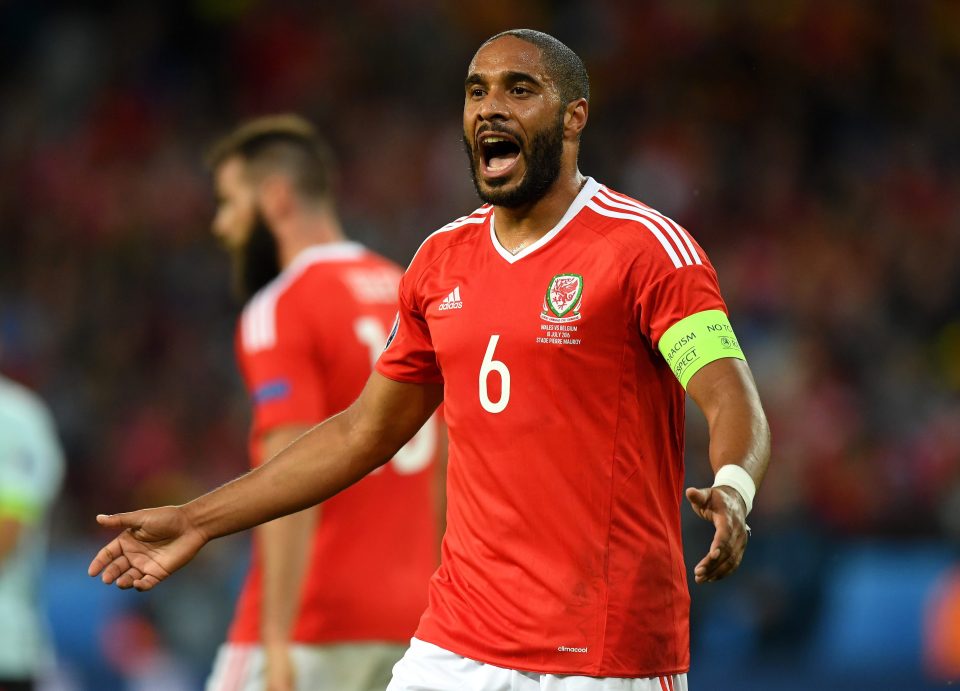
154	543
281	675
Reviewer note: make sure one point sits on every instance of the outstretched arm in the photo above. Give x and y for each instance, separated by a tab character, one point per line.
725	392
330	457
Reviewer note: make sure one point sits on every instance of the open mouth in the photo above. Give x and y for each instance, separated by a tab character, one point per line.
499	153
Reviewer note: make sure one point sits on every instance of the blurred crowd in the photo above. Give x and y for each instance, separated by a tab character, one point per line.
811	146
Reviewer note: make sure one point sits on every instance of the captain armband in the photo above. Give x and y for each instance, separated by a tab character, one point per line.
698	340
19	509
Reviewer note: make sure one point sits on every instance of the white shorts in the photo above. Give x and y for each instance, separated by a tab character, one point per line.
339	667
426	667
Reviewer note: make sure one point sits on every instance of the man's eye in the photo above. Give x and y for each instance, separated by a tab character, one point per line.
476	92
520	90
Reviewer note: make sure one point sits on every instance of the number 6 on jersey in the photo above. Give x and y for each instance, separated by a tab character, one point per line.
486	367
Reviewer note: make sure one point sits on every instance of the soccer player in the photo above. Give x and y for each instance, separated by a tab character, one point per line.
560	323
334	593
31	470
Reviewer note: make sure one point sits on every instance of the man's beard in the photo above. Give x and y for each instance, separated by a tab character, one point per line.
543	168
257	262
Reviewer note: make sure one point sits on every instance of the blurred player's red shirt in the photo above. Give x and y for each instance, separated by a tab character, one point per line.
306	344
562	552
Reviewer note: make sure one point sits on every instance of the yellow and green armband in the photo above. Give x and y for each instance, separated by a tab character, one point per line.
698	340
19	509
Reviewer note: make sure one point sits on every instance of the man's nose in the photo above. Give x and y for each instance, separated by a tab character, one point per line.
494	108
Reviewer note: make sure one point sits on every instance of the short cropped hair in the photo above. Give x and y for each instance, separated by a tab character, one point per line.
564	66
286	143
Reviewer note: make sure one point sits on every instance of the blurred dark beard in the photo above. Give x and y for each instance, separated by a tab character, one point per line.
543	168
257	262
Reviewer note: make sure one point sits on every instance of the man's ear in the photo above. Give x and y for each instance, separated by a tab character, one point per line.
575	118
276	197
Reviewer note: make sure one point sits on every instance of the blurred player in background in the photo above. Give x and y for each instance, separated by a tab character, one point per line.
560	324
31	471
335	592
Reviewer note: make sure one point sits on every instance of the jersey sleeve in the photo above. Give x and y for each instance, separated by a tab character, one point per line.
409	355
682	314
279	367
677	294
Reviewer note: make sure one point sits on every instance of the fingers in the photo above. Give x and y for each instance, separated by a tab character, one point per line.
703	571
104	558
145	583
126	580
115	569
134	578
731	564
719	550
718	565
700	500
120	520
720	562
139	557
726	553
725	509
113	565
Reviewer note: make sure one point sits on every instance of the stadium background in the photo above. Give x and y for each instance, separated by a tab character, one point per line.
811	146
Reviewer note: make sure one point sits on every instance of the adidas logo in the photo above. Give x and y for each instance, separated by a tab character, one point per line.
452	301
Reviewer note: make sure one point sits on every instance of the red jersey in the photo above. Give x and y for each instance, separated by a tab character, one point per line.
563	551
306	344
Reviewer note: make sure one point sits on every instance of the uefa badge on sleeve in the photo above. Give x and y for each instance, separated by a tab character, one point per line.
561	304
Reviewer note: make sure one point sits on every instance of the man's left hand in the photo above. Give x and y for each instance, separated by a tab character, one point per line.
725	508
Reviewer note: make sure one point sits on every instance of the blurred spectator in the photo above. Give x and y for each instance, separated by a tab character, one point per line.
31	468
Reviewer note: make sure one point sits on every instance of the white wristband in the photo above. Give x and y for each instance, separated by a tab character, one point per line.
735	476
